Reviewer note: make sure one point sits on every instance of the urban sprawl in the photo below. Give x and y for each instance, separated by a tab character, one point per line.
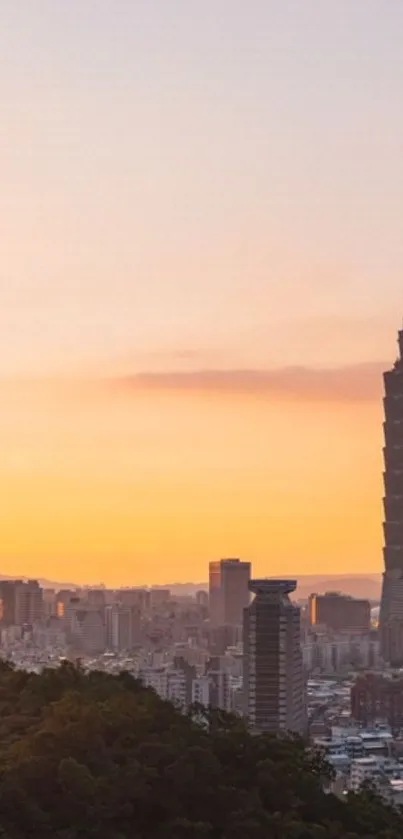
329	667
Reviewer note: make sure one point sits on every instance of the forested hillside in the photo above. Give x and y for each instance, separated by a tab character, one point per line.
101	756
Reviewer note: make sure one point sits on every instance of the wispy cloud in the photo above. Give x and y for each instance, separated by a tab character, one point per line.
350	383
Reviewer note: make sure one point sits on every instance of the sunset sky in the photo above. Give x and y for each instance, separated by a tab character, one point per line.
201	281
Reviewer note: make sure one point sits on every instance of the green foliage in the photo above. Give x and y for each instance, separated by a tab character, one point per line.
99	756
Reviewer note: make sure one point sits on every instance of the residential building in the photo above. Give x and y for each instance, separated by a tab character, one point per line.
201	691
88	630
155	678
177	688
378	697
362	770
219	680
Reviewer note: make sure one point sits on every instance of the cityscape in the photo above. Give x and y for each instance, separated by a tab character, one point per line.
329	668
201	419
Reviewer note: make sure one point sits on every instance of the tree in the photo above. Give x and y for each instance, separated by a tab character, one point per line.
102	756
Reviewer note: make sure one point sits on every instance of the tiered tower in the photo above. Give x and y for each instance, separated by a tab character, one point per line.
273	677
391	615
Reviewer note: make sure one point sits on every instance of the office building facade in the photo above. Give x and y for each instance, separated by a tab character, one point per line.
8	601
123	627
28	603
228	591
340	613
274	684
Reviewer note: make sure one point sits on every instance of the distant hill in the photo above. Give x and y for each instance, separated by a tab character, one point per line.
42	582
356	585
368	586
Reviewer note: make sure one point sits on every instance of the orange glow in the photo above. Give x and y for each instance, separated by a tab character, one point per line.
147	486
313	608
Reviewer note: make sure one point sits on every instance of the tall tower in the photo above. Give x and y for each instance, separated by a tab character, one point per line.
228	591
274	684
391	614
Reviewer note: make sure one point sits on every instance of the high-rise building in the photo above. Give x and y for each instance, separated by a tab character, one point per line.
188	671
213	689
340	613
88	629
274	684
63	599
391	613
123	627
8	599
228	591
28	603
49	602
220	693
378	698
134	597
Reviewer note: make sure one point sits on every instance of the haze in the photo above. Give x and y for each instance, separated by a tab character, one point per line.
201	269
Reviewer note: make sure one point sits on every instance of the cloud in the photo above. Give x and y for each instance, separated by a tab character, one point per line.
350	383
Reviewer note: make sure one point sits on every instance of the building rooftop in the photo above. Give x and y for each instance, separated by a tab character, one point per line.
269	586
365	761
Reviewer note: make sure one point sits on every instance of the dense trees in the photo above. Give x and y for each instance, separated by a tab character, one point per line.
101	756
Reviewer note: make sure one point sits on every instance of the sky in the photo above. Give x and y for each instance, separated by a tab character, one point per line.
201	276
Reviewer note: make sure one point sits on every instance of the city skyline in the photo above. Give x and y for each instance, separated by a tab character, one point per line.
200	285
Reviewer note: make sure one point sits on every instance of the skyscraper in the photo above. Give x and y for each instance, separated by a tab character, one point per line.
228	591
391	614
28	603
8	598
123	624
274	685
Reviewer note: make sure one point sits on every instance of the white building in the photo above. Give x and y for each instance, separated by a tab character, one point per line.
156	678
169	683
201	691
176	687
363	769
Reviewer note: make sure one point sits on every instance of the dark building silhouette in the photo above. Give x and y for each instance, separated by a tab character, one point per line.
273	677
391	613
377	698
222	637
28	603
228	591
340	613
8	600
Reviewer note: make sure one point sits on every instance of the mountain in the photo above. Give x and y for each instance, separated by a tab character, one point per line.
356	585
360	585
